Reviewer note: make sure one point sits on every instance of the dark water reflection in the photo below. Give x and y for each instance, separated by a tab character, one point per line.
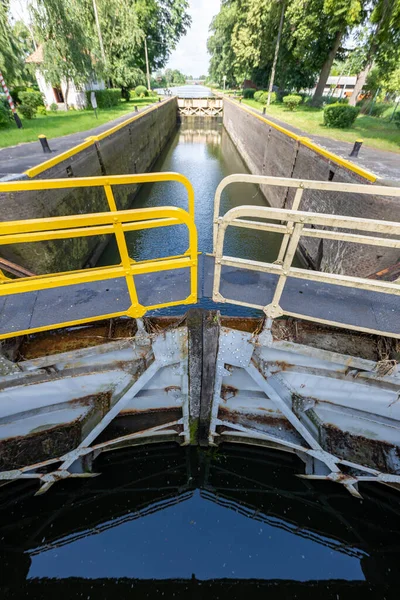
202	150
182	523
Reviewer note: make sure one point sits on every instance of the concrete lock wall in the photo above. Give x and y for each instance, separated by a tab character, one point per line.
268	150
127	149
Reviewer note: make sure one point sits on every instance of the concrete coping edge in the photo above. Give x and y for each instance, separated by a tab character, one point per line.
90	141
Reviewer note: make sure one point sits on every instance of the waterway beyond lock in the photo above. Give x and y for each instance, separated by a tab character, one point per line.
202	150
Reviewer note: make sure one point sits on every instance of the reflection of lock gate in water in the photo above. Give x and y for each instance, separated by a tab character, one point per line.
255	483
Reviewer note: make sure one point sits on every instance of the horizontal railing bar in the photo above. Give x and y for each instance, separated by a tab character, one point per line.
318	319
371	285
19	238
252	265
101	181
38	236
240	303
307	184
342	324
350	237
73	323
272	227
311	218
318	233
106	218
33	284
344	280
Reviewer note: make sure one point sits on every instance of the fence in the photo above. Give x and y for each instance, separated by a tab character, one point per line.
292	224
117	223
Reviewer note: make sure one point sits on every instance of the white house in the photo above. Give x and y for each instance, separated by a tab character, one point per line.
340	86
56	94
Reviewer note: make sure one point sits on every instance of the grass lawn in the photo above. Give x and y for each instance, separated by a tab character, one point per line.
376	132
64	122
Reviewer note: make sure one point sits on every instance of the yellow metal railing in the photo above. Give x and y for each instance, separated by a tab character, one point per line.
116	222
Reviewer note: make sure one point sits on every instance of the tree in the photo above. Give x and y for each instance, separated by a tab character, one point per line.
11	56
65	44
122	40
220	46
23	36
124	26
342	16
383	45
163	22
391	82
178	77
303	44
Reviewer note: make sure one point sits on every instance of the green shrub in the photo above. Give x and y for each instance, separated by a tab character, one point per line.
105	98
33	99
292	101
340	115
27	111
262	97
15	93
248	93
54	107
141	89
41	110
396	119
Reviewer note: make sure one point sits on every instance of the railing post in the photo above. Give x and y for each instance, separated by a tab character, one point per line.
274	310
219	247
135	310
286	237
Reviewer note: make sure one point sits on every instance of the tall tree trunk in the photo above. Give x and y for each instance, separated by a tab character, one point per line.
278	42
362	76
326	69
361	79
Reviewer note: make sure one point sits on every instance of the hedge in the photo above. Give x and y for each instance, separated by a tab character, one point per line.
340	115
33	99
292	101
248	93
141	89
105	98
27	111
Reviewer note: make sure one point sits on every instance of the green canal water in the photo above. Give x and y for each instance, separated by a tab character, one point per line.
202	150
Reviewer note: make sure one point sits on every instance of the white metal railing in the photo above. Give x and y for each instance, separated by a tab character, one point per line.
293	225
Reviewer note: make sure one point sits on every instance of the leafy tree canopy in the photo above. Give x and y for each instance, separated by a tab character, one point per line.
11	49
65	41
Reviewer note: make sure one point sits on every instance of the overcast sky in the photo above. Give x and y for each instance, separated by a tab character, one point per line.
191	56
